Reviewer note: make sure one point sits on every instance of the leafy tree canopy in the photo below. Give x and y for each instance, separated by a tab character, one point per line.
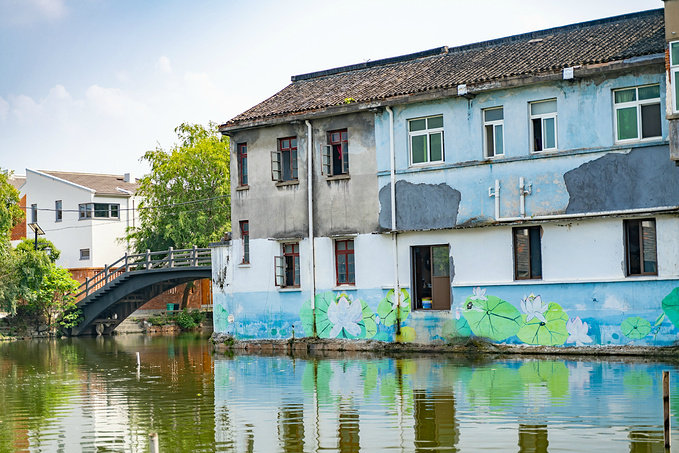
10	212
185	197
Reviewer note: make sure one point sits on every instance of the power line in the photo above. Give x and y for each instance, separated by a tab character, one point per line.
138	208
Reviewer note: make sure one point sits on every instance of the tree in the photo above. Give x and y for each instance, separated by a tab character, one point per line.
10	212
186	196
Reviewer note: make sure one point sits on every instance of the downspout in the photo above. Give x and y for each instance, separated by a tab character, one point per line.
394	233
310	154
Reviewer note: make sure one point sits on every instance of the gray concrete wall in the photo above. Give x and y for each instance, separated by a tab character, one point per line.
420	206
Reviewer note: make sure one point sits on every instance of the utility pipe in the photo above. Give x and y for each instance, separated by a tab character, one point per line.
496	194
309	165
523	191
394	233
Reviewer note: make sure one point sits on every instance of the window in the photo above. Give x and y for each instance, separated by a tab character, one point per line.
543	125
674	73
335	159
245	240
58	212
242	151
637	113
527	253
493	122
284	161
344	262
98	210
34	213
84	254
640	249
287	266
426	140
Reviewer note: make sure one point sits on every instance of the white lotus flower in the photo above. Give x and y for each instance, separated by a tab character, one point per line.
479	294
533	307
345	314
577	332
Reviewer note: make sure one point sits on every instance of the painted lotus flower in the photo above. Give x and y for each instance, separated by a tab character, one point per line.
479	294
577	332
533	307
345	314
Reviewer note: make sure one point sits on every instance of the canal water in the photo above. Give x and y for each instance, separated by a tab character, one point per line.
87	394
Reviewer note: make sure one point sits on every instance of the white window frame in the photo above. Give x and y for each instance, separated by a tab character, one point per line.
428	133
493	124
86	211
674	75
637	103
543	117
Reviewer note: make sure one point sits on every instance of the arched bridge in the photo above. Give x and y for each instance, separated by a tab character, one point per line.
119	289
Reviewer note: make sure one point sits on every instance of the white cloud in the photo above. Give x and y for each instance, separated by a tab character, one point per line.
164	65
52	9
4	108
31	11
113	102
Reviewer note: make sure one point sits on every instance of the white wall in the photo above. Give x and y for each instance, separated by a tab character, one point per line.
107	248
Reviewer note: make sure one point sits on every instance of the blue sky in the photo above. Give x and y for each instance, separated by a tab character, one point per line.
90	85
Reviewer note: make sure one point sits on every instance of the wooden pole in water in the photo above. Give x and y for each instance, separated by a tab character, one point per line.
666	406
153	443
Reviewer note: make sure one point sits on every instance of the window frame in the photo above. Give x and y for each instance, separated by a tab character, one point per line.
346	253
328	156
281	266
628	261
638	104
515	252
242	163
34	213
244	226
542	117
428	133
89	211
82	254
58	211
277	160
674	75
493	124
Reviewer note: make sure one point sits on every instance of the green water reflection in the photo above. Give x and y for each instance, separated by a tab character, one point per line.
87	394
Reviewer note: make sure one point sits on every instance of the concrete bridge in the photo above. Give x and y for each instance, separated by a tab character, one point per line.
110	296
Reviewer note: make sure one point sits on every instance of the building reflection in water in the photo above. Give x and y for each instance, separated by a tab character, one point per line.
533	438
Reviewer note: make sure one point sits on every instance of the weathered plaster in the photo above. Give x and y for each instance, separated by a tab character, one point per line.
420	206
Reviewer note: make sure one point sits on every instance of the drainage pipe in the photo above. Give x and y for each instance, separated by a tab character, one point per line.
394	234
309	164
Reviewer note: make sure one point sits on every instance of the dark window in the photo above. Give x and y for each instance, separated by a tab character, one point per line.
84	254
344	262
527	253
284	160
637	110
242	164
336	156
58	212
34	213
640	247
287	266
245	240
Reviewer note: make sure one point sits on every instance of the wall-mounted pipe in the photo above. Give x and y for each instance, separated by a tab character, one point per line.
310	197
496	194
394	233
523	191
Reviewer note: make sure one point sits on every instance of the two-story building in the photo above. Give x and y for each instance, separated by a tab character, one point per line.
520	189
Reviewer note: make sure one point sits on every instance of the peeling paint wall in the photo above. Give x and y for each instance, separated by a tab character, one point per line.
420	206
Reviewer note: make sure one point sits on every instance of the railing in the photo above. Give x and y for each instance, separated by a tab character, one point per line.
193	257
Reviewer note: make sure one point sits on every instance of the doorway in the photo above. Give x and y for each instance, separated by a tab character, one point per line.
431	277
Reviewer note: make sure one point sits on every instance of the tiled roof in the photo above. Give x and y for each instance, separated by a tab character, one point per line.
17	181
546	51
101	184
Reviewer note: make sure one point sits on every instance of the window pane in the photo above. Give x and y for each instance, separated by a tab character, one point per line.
419	148
285	144
435	147
489	141
287	171
114	210
297	270
650	121
633	248
521	253
418	125
648	246
293	143
350	245
493	114
441	262
674	53
335	137
625	95
499	150
351	278
550	133
341	245
100	210
341	269
676	89
435	122
649	92
535	253
539	108
344	136
627	123
537	134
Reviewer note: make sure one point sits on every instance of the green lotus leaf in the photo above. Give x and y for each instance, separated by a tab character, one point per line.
670	305
552	332
635	328
554	374
456	328
408	335
494	386
323	324
493	318
306	315
387	311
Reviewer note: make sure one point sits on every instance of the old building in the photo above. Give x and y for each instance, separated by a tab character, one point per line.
520	189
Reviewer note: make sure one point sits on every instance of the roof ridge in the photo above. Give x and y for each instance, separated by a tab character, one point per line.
82	173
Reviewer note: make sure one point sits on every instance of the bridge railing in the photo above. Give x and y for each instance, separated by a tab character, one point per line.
193	257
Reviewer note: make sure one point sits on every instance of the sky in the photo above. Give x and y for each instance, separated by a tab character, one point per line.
91	85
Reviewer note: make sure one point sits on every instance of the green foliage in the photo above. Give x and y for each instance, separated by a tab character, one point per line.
197	168
160	320
185	320
44	245
198	316
10	212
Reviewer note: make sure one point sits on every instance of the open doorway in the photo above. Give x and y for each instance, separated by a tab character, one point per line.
431	277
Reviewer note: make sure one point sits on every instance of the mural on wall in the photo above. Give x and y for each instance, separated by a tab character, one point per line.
542	323
341	315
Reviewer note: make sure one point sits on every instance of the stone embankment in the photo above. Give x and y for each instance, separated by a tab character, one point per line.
473	346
